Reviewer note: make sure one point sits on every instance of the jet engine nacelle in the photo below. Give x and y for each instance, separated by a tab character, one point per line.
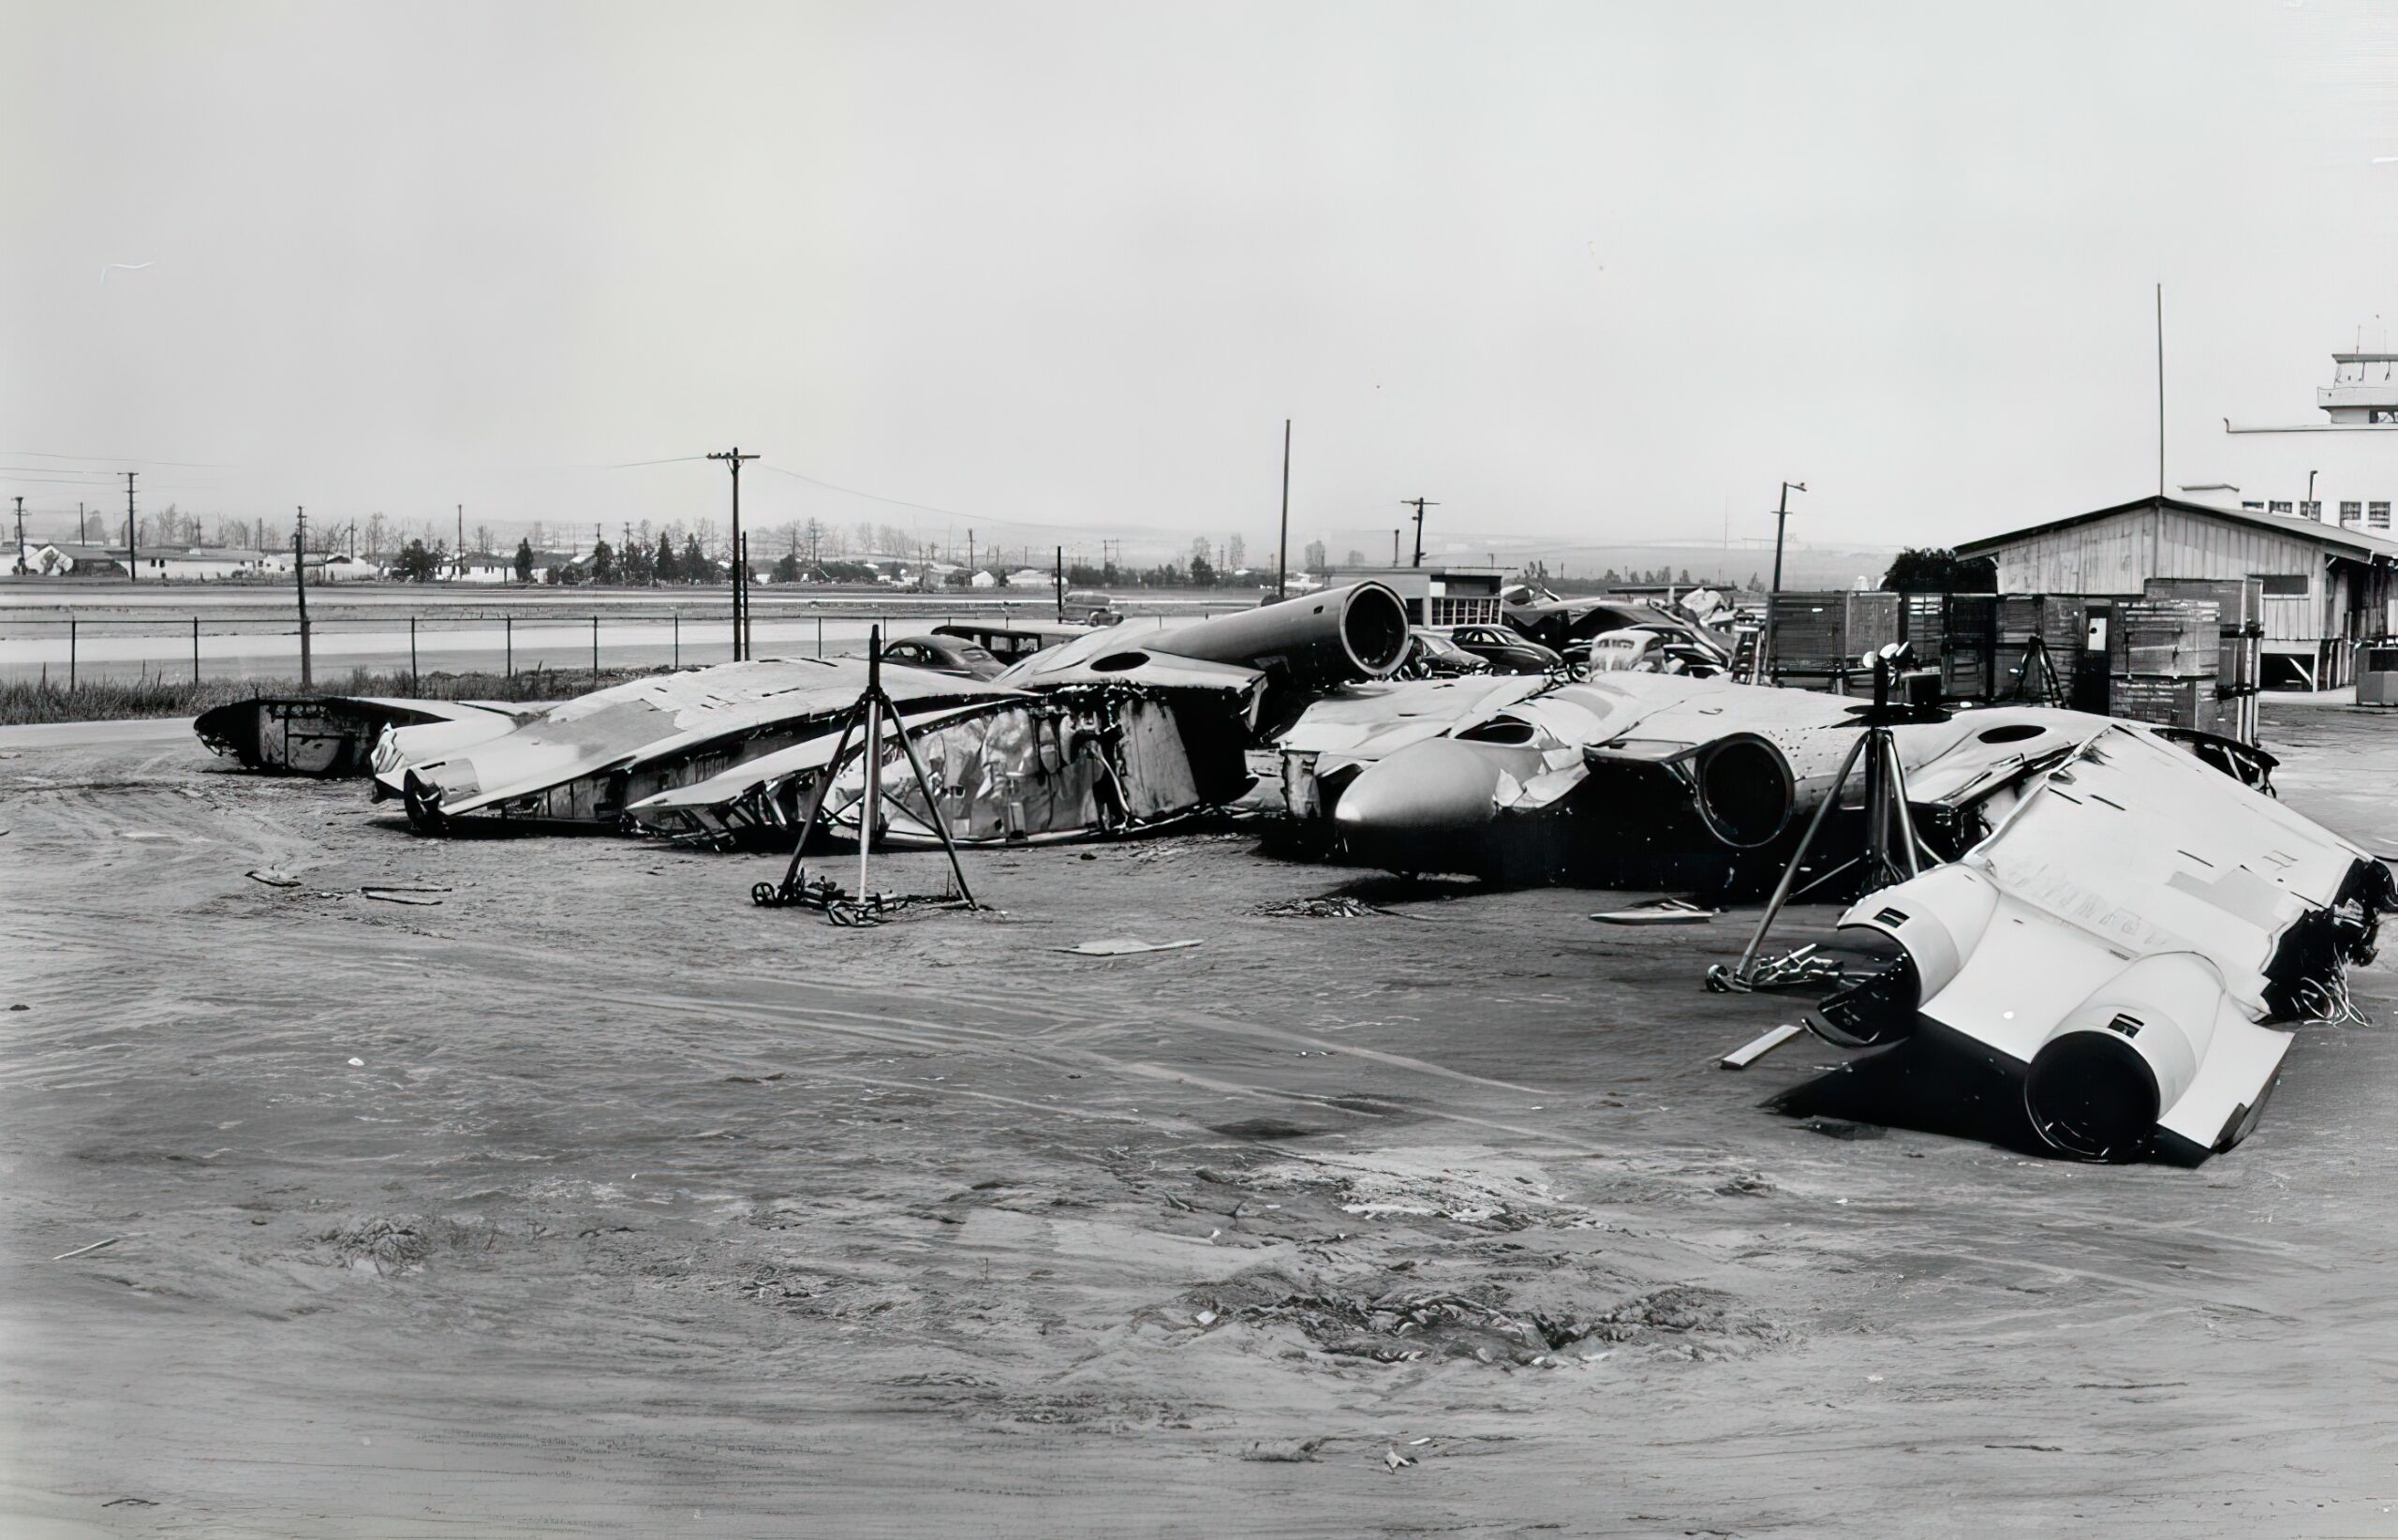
1314	641
2125	1056
1749	787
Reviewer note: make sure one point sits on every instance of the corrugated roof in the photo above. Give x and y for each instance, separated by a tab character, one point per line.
2356	542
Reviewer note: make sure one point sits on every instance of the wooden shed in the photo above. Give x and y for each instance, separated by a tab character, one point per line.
2326	587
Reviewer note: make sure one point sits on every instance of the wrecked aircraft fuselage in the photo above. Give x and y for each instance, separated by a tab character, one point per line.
1636	779
582	763
2110	954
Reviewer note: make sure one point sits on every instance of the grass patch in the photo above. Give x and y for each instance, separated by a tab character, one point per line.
110	700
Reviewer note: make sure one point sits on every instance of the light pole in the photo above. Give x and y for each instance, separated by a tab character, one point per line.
1781	519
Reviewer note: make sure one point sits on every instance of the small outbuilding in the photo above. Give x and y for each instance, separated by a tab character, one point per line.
2327	588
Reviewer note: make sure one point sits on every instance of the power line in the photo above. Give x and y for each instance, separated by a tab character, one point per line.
132	459
670	460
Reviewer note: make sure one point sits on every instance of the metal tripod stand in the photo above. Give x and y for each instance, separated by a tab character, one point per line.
1890	855
865	717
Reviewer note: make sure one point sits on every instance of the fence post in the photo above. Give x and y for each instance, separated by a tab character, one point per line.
509	624
414	688
70	653
819	633
678	638
194	649
594	648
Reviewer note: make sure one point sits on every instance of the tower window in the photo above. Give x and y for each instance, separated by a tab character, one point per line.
2351	513
2278	507
2378	516
2311	510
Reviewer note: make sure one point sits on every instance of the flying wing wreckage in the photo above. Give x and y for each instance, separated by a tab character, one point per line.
1115	732
2107	957
1640	778
333	736
581	762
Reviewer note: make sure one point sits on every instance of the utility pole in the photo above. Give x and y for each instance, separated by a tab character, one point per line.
1781	518
1419	504
20	537
1282	544
732	459
458	561
79	536
132	553
300	584
2160	389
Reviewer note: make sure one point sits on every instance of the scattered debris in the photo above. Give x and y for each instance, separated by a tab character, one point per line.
1750	1052
128	1502
1317	909
1658	912
1797	969
358	1063
79	1250
272	878
1394	1460
1286	1453
404	895
1123	946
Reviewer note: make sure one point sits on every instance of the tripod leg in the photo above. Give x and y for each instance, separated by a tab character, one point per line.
816	796
932	806
1790	873
1897	779
871	805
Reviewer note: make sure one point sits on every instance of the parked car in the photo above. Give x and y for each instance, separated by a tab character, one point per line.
1435	657
1505	650
1642	649
1091	607
943	655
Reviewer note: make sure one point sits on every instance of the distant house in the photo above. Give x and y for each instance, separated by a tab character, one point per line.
1029	577
190	564
339	567
480	567
57	559
984	580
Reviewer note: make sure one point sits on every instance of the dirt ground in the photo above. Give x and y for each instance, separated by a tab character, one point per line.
592	1200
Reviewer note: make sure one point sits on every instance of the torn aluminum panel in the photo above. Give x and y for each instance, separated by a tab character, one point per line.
332	736
583	761
1070	764
2113	948
758	802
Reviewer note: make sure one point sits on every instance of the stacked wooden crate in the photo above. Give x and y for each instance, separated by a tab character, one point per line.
1827	635
2240	641
2163	655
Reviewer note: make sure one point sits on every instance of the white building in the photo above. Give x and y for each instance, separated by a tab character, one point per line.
2340	470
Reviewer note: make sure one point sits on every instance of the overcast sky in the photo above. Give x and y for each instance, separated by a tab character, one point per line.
1585	272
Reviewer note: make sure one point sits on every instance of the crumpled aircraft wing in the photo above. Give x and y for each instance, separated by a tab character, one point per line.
2117	941
645	720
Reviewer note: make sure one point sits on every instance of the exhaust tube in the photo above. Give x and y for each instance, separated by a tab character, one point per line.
1315	641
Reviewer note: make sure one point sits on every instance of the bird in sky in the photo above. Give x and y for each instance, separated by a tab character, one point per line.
126	267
